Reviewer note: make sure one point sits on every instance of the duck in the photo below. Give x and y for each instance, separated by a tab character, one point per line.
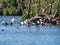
42	23
2	30
21	23
4	23
26	22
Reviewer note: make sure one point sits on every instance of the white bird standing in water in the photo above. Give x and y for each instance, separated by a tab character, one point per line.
12	20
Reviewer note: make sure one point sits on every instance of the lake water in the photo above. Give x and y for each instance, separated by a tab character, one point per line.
28	35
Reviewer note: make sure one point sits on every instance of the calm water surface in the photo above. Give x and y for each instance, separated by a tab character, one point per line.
28	35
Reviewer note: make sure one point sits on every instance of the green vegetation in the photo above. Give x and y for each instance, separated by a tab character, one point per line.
29	8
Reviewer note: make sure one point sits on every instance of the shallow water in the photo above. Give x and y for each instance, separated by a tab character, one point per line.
28	35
